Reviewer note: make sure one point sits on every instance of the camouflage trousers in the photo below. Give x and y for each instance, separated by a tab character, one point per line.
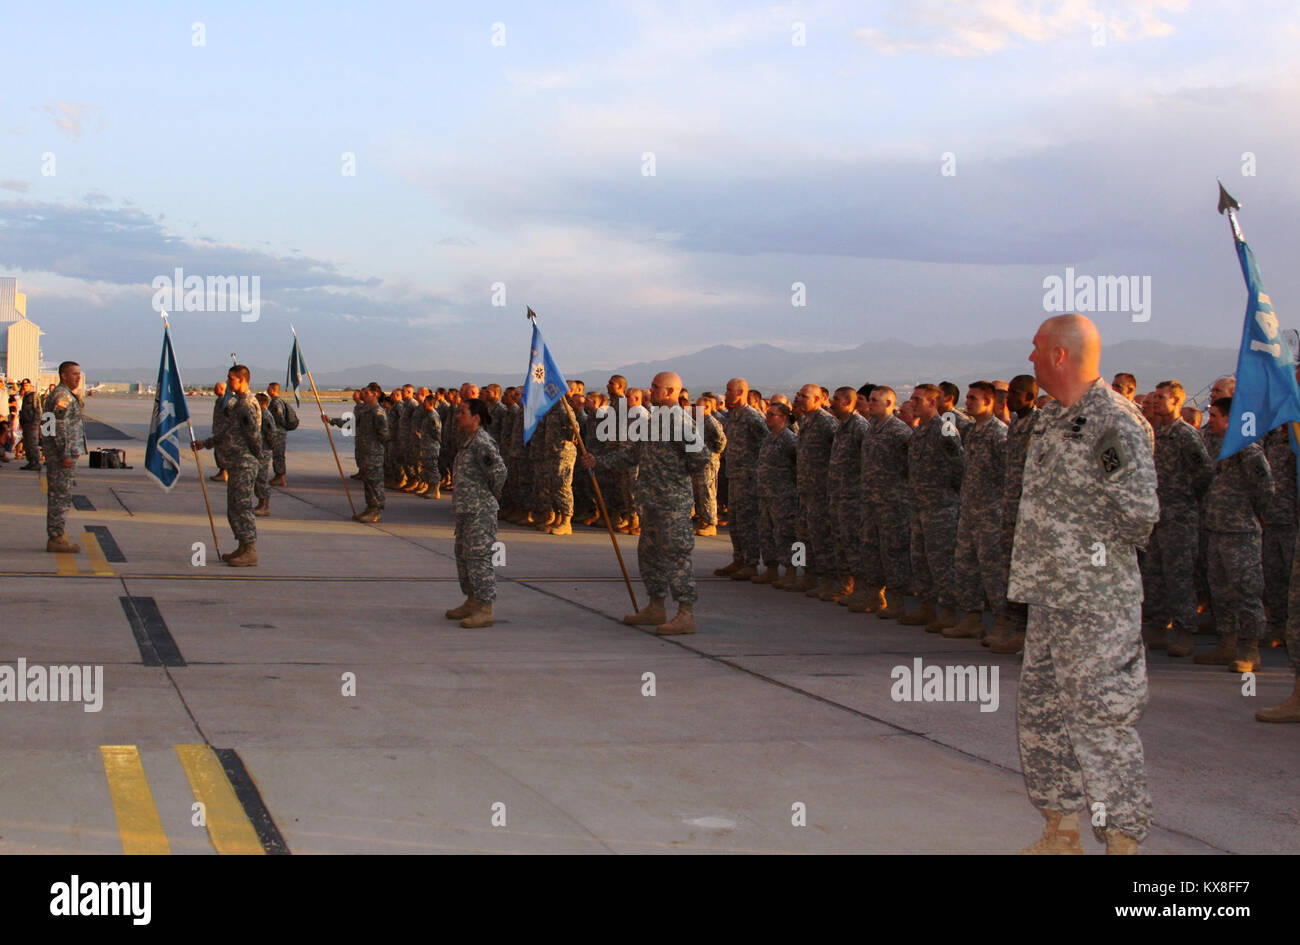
742	492
542	502
32	444
372	478
277	453
476	532
934	537
777	519
1017	612
59	498
1293	611
1278	553
846	522
262	484
886	547
625	493
1168	570
560	469
977	565
1083	686
584	494
241	488
817	534
663	553
1236	583
428	467
704	486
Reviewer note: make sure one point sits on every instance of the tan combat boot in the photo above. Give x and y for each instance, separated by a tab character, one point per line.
563	525
1221	655
839	587
893	608
61	543
1156	637
1120	844
263	507
1012	644
422	488
479	616
463	611
355	475
1180	641
684	622
707	531
786	581
246	557
805	583
1001	631
947	618
548	519
279	480
1247	660
1288	711
857	601
919	618
771	574
652	616
370	515
825	584
744	573
727	569
1060	836
230	554
971	627
221	476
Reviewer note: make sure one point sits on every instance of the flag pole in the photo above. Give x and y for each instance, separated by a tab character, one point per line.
329	435
600	499
198	465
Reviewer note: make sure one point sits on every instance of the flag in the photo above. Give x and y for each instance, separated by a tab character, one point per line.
1266	395
297	368
544	384
162	453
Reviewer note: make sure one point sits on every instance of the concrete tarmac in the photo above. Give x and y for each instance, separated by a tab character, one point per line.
320	702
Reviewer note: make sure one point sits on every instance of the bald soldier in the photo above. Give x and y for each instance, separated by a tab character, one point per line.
817	430
746	430
663	468
1088	503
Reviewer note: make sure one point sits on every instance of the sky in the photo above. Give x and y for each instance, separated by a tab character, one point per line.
651	178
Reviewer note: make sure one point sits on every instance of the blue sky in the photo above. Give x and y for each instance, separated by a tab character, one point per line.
1082	134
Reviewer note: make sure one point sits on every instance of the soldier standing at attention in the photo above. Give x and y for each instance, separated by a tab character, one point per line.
430	435
61	452
239	451
663	468
1009	634
816	437
286	419
886	525
262	487
778	497
746	429
480	475
704	484
370	434
29	418
218	418
844	479
1090	481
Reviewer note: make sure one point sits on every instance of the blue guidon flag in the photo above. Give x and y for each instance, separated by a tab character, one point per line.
297	368
544	385
162	453
1266	395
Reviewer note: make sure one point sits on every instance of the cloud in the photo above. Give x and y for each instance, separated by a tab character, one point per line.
69	116
18	186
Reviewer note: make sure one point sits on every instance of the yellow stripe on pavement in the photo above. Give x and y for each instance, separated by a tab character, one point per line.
228	826
67	562
45	484
137	817
98	563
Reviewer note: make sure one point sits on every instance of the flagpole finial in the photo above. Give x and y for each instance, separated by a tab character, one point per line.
530	314
1226	200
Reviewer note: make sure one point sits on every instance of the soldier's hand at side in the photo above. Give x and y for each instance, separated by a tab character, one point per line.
69	462
588	461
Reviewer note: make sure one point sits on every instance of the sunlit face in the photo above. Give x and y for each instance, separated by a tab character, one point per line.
1218	421
1165	402
466	420
978	404
881	404
775	420
925	406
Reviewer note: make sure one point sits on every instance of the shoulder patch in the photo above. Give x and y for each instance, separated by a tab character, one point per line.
1111	454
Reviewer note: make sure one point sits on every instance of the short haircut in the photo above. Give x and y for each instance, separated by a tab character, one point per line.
64	365
826	395
876	388
619	379
273	388
241	372
1223	405
931	391
374	386
1125	379
263	399
949	390
866	389
479	409
782	408
1025	382
849	394
1176	387
985	388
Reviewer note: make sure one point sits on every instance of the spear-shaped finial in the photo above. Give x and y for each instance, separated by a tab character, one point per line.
531	315
1228	204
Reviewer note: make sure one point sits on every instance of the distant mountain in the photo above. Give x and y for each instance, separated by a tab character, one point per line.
769	368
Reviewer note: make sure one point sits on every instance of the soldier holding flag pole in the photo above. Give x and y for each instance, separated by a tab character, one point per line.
297	368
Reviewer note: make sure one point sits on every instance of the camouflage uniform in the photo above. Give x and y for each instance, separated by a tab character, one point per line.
1168	567
816	438
430	439
1213	443
558	454
584	496
1017	445
284	418
479	475
663	471
978	562
370	433
1089	479
1280	527
1293	611
499	413
844	491
935	463
29	418
704	483
238	448
746	434
1241	487
270	435
778	496
66	443
410	445
886	522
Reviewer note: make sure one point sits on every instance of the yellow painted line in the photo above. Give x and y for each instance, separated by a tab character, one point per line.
45	484
98	563
228	826
137	816
67	562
